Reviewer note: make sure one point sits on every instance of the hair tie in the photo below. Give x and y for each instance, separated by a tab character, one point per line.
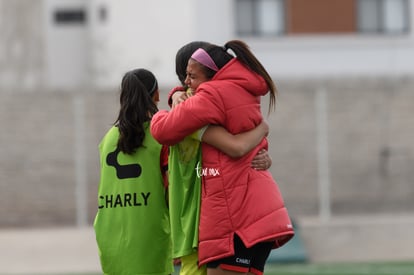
151	92
202	57
154	86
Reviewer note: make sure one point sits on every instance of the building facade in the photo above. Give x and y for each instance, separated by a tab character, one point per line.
90	43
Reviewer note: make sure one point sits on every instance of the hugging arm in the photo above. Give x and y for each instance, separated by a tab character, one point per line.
235	145
238	145
171	127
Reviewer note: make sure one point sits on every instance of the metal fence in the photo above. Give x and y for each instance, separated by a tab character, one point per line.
338	147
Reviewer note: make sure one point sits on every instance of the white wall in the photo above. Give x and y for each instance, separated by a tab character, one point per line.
140	33
337	56
67	48
214	21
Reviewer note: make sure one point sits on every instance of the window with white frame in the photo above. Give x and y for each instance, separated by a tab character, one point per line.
260	17
383	16
279	17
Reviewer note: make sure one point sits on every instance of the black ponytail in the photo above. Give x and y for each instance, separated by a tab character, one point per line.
137	107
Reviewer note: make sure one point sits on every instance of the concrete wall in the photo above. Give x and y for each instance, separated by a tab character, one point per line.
22	45
370	132
369	128
356	238
46	136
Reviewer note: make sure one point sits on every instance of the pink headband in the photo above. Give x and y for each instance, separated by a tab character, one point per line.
202	57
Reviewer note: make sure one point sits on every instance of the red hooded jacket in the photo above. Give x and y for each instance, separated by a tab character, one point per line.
236	199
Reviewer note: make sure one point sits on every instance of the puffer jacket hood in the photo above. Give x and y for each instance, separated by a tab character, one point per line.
235	72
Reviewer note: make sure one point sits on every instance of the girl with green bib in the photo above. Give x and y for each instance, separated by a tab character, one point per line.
132	224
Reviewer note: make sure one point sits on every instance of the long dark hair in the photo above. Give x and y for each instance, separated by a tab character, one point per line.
182	57
137	107
242	51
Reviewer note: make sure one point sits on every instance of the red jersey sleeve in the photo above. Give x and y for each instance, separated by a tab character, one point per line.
170	94
164	164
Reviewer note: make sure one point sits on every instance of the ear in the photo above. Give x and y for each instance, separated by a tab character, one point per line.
156	96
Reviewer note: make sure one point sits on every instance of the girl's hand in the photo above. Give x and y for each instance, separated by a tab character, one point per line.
178	97
262	160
